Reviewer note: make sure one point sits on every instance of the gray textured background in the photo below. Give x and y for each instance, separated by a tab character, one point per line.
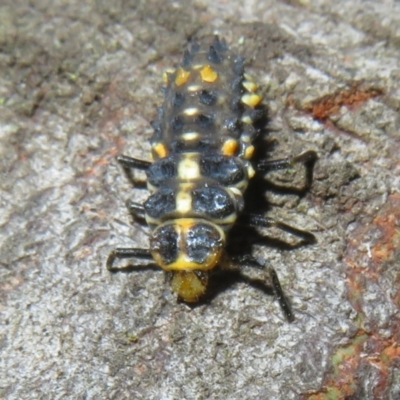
78	85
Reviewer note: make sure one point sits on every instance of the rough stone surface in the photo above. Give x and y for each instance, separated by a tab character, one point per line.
79	83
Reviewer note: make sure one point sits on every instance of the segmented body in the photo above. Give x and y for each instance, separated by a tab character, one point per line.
201	148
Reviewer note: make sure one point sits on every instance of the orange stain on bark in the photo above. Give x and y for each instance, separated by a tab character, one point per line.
330	104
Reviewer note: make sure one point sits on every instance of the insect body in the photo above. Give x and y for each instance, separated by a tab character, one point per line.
201	147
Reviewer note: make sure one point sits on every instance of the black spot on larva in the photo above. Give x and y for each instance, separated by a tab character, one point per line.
194	47
155	124
236	105
238	65
200	241
177	124
213	201
178	100
220	45
164	241
162	171
207	98
207	145
160	113
181	146
187	59
214	56
204	121
225	170
236	85
231	124
257	114
157	136
178	146
160	203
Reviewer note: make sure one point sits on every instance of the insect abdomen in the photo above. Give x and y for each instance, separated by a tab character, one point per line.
210	105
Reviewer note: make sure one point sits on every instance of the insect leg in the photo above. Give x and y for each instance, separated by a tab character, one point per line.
130	162
258	220
276	285
136	209
307	158
122	252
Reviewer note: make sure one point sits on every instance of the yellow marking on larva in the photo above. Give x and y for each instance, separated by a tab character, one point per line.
242	185
160	150
165	77
183	202
188	186
250	171
188	168
193	88
181	76
190	112
183	224
251	99
226	222
247	120
182	263
208	74
229	147
235	190
250	86
248	153
190	136
167	74
152	221
245	138
248	77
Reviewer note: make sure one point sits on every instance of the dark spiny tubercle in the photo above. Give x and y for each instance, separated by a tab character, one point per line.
214	56
207	97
